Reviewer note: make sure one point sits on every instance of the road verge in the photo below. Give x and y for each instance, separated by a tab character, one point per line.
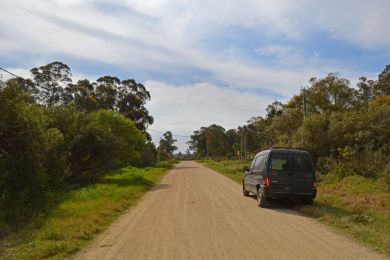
81	214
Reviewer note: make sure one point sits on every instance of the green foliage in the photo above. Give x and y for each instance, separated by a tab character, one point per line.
23	148
382	86
214	142
312	135
51	80
346	130
53	137
148	155
166	147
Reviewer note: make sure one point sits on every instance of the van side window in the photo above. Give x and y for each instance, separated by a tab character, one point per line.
253	164
301	163
279	162
259	164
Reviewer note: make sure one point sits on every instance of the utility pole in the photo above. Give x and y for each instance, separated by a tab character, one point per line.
304	103
240	143
244	143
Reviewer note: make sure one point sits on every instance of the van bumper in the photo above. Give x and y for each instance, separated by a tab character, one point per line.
274	195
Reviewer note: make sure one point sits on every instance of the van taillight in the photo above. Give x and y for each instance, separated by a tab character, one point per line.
314	184
266	181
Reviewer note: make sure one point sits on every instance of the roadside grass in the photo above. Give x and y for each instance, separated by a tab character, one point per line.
81	214
356	206
230	168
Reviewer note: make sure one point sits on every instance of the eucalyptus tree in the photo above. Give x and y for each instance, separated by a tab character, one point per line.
50	80
166	146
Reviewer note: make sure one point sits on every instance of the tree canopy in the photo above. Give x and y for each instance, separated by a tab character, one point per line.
56	134
341	125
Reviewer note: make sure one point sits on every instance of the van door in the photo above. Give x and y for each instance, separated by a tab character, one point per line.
302	174
248	177
279	173
258	169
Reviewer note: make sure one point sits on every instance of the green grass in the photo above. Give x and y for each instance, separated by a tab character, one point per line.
80	215
356	206
232	169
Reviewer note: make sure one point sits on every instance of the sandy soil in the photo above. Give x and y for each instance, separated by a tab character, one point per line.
196	213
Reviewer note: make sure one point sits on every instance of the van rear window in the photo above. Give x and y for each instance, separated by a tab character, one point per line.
301	163
279	162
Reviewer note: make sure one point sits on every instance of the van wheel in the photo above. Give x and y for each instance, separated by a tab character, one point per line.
261	200
244	191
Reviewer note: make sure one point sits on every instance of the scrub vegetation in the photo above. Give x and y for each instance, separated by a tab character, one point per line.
347	131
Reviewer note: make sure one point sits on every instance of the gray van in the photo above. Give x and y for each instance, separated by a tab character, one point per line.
280	173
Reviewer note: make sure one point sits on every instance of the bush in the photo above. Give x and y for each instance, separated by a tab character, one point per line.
23	148
107	141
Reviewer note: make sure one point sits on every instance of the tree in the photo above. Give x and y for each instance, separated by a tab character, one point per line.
23	150
365	92
312	135
108	140
166	147
106	92
283	127
51	80
83	95
275	109
198	142
326	95
209	141
232	143
149	155
382	86
132	97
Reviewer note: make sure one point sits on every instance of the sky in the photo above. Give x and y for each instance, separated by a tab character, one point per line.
203	62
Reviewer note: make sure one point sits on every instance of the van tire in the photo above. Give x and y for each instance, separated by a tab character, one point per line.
244	191
261	200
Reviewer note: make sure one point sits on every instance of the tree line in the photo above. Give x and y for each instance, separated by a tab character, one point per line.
57	135
346	129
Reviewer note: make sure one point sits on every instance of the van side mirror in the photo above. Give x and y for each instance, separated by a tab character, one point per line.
245	169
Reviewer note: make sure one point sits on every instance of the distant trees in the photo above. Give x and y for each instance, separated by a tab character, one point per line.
56	134
213	141
166	148
345	128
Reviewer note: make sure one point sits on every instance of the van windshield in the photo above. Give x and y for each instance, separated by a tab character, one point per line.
279	162
301	163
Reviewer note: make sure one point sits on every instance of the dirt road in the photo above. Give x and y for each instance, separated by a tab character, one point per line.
196	213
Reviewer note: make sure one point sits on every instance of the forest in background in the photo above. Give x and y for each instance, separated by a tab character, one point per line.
345	128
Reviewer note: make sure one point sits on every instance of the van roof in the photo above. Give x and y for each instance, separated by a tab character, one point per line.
284	150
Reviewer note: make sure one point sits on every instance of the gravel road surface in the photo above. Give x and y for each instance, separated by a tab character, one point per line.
196	213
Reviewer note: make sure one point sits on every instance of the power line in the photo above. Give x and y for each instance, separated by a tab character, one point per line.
9	72
187	136
247	127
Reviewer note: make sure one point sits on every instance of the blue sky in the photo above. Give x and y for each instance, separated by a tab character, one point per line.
203	61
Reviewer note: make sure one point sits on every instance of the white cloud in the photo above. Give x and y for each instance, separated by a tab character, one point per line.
167	35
